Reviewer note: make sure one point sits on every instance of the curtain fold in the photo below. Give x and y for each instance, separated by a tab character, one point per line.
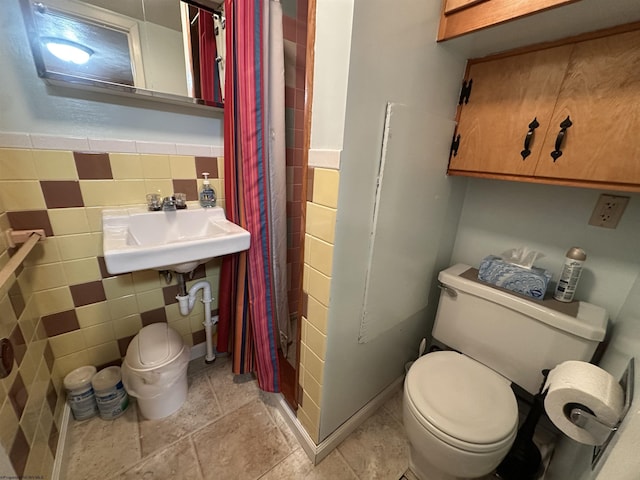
247	302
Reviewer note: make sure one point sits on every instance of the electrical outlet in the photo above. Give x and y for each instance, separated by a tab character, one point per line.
608	211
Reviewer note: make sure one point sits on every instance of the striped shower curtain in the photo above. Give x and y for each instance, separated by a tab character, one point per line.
247	302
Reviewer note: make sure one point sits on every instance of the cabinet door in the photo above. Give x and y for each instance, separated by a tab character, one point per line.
507	94
601	94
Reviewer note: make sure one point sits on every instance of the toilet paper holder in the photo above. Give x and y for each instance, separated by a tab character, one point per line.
602	431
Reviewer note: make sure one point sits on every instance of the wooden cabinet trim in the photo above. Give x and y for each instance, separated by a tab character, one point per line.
489	13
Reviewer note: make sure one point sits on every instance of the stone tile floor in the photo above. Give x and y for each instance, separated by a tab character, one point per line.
228	430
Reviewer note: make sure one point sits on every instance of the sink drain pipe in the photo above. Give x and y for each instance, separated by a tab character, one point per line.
186	303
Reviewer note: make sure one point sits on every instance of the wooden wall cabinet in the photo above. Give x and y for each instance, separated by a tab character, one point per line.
460	17
518	102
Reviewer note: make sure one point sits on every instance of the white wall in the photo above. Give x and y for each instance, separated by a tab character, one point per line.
28	105
499	215
392	58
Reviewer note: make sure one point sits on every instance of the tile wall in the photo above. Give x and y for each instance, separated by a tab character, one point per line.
322	203
62	309
295	44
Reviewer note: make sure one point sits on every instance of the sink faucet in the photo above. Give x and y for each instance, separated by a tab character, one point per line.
169	203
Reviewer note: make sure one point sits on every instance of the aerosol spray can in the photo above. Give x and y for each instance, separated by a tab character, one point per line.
571	271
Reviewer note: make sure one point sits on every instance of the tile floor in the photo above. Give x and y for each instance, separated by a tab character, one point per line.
228	430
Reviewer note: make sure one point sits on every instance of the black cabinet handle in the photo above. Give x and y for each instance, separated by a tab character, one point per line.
557	153
527	139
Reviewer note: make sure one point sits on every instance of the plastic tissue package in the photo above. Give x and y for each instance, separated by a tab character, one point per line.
514	271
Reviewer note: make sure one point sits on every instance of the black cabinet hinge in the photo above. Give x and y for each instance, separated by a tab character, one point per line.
465	92
455	143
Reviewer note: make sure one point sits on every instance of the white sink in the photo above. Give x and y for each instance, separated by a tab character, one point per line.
178	240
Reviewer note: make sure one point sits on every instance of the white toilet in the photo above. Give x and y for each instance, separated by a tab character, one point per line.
459	411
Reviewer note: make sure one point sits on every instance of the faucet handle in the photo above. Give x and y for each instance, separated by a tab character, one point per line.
181	200
154	202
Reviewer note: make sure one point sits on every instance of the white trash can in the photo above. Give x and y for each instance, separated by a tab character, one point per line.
155	370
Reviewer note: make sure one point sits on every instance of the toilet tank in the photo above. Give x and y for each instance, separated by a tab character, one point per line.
511	334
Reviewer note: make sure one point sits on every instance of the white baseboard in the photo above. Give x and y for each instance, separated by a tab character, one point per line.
317	453
59	462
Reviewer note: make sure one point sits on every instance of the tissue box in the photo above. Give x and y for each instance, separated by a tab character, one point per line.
531	282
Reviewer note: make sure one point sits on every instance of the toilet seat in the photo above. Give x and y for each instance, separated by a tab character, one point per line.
462	402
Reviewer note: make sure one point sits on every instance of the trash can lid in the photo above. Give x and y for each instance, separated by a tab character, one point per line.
154	346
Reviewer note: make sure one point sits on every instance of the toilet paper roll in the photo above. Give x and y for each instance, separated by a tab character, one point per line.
587	386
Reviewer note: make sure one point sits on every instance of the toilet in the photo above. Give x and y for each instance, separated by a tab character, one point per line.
459	410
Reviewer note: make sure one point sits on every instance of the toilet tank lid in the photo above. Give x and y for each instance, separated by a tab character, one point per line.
154	346
589	323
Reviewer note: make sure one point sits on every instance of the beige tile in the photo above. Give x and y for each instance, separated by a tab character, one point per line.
316	341
98	448
162	186
45	251
312	388
94	216
98	193
77	246
155	166
298	466
129	192
120	286
199	409
68	363
230	395
17	164
44	277
325	187
181	325
104	353
9	423
378	448
67	343
182	166
98	334
123	307
93	314
313	364
177	462
239	442
21	195
53	301
145	280
317	314
82	271
394	405
68	221
319	285
150	300
320	254
126	166
55	165
321	222
127	326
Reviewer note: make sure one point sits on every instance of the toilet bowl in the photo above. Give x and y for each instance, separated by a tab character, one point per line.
461	417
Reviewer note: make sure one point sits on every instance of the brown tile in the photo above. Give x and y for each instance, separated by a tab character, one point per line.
48	356
53	439
103	268
188	187
169	293
305	302
198	337
18	395
310	172
207	164
17	299
288	28
93	166
61	322
19	345
123	344
52	397
31	219
199	272
157	315
87	293
19	453
61	194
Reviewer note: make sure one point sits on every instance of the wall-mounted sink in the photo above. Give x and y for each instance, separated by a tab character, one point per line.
178	240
